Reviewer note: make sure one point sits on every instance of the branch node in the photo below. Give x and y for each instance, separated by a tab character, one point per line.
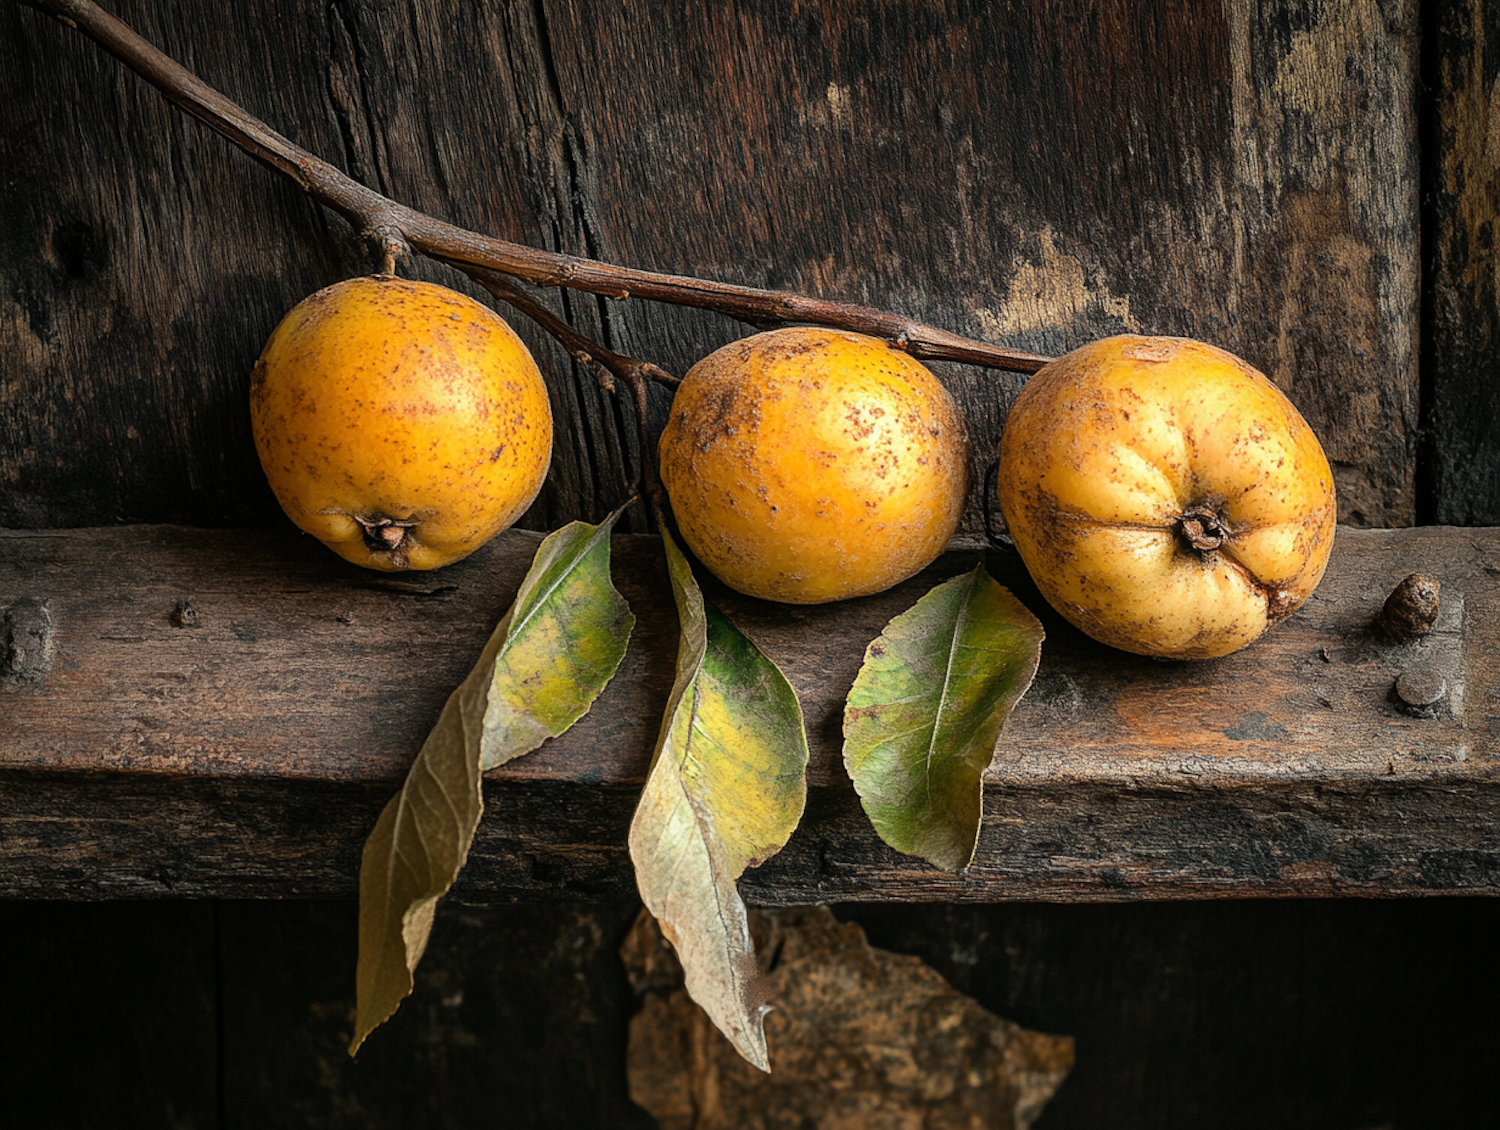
660	375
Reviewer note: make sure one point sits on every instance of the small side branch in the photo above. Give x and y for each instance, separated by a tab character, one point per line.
636	375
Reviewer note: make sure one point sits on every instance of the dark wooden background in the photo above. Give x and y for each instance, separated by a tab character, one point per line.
1312	185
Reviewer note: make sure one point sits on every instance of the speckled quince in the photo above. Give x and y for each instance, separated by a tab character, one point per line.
1166	497
807	465
401	423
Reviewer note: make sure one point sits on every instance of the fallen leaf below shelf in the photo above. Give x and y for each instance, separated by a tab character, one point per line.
859	1038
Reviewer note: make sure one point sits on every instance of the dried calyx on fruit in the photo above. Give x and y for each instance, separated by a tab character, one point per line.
1166	497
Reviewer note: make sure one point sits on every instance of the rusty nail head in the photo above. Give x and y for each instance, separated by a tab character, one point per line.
1412	608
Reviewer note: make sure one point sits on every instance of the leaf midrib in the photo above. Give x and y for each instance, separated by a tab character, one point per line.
943	697
540	599
737	982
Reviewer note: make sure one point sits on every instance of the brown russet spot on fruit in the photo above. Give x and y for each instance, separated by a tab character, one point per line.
257	381
1150	350
808	464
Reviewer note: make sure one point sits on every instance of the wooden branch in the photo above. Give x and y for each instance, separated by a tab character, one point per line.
379	217
223	713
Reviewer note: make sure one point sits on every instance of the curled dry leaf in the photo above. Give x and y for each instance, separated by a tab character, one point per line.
925	711
863	1038
726	788
546	662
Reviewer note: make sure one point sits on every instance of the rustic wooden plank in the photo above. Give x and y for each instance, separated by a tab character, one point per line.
1187	1008
1040	174
1019	172
250	753
1460	457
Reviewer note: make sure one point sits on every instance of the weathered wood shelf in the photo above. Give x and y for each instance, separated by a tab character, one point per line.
190	712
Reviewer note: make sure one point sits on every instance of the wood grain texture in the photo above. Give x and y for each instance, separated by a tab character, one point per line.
1185	1010
250	754
1044	174
1460	459
1038	174
145	262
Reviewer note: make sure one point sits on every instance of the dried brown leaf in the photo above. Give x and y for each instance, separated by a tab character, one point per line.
864	1039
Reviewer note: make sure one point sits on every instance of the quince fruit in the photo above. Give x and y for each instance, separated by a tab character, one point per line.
1166	497
807	465
400	423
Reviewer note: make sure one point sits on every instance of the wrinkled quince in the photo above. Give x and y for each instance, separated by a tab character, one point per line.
400	423
807	465
1166	497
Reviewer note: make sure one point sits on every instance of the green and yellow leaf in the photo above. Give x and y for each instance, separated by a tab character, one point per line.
725	792
926	709
546	662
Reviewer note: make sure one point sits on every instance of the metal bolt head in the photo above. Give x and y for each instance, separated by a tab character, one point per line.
1420	694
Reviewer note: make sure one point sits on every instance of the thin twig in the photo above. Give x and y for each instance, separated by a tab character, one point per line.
368	211
579	347
637	375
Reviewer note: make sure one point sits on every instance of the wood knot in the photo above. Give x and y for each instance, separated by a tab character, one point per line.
1412	608
390	245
